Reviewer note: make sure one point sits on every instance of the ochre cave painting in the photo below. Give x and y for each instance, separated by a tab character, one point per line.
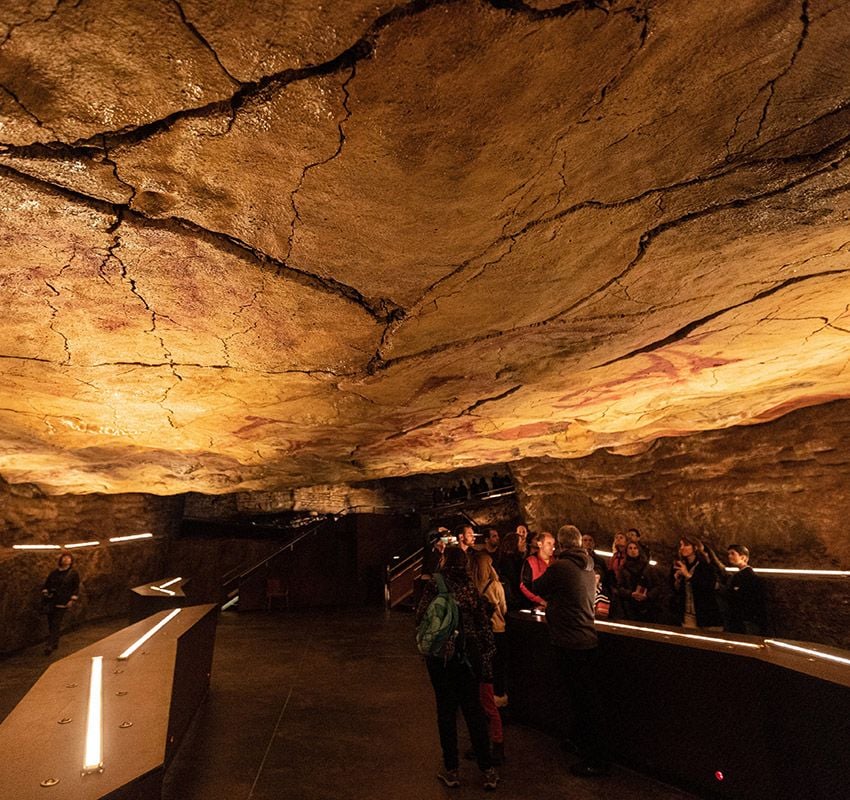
259	245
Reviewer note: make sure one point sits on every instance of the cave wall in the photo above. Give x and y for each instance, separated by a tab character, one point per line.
29	516
782	488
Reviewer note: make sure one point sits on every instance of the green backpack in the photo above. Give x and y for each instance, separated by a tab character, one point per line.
438	630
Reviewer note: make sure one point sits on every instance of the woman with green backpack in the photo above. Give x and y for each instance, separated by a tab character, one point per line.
455	636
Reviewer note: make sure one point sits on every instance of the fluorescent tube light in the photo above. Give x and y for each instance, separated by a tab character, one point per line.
36	547
142	639
93	761
81	544
130	538
164	591
831	573
608	554
170	583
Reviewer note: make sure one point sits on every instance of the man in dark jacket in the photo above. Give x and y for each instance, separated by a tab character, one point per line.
744	595
569	586
59	594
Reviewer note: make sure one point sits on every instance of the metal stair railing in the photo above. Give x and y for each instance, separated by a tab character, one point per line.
232	579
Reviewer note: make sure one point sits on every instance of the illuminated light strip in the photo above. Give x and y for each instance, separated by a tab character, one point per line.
129	538
164	591
608	554
142	639
677	635
169	583
839	573
36	547
93	761
80	544
808	652
230	603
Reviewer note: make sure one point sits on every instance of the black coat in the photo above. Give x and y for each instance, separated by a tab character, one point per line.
703	582
61	585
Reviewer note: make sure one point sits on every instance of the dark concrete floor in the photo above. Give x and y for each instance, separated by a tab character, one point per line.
331	704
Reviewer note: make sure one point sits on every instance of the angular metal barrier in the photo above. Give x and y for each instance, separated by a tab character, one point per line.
106	721
720	715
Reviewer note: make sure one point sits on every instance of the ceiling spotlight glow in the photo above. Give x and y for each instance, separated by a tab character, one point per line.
93	761
142	639
130	538
81	544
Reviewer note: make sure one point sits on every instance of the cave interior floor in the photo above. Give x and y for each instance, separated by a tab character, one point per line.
330	703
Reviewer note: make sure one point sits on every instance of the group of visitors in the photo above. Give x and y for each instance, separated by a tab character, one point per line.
468	670
476	487
565	577
696	591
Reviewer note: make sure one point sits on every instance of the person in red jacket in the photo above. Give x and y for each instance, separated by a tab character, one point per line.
534	566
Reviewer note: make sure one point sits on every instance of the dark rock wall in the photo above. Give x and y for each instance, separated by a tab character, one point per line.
782	488
107	572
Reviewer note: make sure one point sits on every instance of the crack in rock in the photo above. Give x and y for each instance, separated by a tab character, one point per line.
465	412
18	102
381	310
134	289
644	243
54	313
686	330
203	41
769	87
360	50
340	144
12	27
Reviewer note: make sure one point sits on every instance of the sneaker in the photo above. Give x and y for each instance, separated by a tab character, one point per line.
491	779
449	777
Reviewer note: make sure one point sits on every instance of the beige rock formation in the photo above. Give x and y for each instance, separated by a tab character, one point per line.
258	245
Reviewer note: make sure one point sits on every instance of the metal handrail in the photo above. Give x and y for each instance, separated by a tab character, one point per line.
394	568
235	575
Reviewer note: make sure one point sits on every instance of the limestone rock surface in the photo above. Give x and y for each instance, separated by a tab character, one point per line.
263	245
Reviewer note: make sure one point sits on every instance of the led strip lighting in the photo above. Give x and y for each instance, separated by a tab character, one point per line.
833	573
808	652
162	587
93	761
608	554
80	544
142	639
36	547
677	635
130	538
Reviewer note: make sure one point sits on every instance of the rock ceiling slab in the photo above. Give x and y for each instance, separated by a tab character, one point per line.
257	245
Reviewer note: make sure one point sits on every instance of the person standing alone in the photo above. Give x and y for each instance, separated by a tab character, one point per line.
58	594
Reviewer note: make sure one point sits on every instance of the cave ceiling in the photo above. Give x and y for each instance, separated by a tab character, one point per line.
257	244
